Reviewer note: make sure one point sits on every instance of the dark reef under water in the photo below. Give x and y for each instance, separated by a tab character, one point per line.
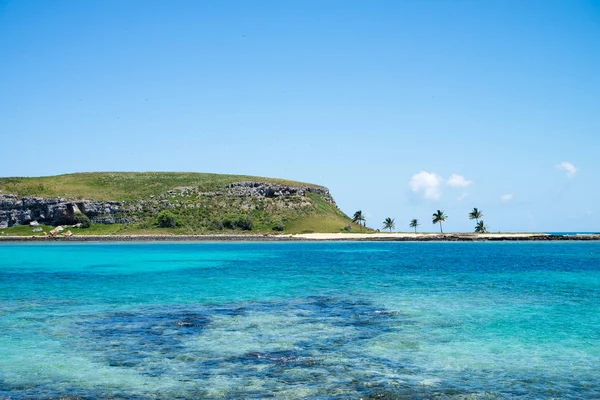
152	341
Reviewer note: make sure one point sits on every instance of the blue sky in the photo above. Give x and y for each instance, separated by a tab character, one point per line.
399	107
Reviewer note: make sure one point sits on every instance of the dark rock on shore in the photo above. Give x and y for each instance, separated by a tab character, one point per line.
15	210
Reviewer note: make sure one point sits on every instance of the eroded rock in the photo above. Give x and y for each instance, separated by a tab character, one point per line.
15	210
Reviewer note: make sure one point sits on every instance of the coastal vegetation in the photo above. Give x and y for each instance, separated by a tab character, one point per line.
438	218
166	219
82	220
476	214
359	218
480	227
414	223
389	223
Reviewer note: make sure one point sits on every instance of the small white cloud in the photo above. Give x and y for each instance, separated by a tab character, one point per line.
458	181
462	196
568	167
426	184
507	197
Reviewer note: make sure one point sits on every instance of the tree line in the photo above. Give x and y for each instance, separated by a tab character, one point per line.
438	217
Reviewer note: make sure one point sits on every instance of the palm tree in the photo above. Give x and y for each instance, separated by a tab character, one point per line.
475	214
414	223
480	227
389	224
358	218
438	218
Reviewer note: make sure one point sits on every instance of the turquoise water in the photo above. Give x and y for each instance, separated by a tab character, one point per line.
300	320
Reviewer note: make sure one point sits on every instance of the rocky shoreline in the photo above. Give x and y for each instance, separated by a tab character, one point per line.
306	238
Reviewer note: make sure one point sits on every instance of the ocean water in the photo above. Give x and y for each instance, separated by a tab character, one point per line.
300	320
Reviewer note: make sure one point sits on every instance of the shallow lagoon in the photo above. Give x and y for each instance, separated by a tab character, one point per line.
300	320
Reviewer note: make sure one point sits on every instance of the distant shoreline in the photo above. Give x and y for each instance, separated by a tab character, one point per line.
312	237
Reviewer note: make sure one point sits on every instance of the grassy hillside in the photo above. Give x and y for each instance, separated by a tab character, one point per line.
120	186
201	203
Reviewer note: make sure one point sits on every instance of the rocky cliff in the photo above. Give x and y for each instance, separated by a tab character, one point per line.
21	210
259	189
15	210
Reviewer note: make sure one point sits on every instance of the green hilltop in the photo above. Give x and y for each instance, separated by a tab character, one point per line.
118	186
190	203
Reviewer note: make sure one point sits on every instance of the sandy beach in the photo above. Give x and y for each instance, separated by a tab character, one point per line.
417	236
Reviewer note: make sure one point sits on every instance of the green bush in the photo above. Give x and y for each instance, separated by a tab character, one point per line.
229	221
235	221
166	219
278	226
244	222
216	225
80	218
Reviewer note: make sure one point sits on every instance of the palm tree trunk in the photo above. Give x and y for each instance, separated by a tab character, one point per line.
415	230
441	227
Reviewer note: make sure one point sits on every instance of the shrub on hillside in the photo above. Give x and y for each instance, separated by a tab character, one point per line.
244	222
229	221
216	225
166	219
235	221
278	226
80	218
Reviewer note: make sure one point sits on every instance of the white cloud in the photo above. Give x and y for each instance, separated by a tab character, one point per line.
462	196
568	167
458	181
507	197
427	183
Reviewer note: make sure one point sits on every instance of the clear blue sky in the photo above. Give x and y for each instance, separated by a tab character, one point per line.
381	101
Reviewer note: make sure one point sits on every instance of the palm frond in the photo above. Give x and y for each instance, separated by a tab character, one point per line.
439	216
480	227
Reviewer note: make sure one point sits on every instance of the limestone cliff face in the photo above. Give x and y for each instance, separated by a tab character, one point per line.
16	210
258	189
